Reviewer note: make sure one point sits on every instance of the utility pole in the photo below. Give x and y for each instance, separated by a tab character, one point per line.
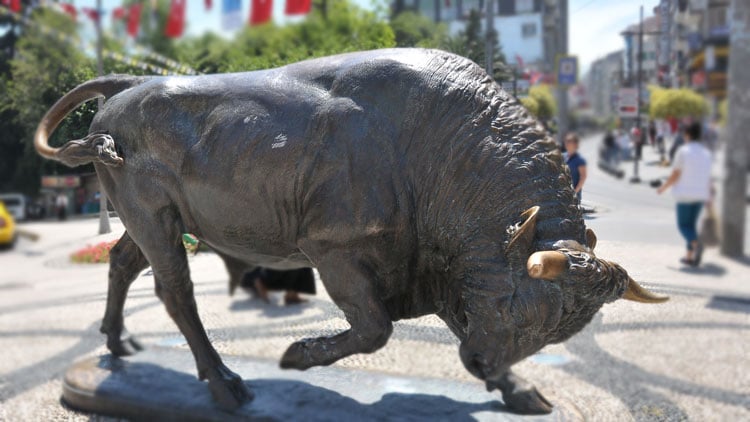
488	48
638	85
104	226
562	90
737	133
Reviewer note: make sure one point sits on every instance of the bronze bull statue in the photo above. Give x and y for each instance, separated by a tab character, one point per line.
407	177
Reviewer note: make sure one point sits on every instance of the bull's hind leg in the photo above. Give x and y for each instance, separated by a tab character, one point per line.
352	287
160	238
126	261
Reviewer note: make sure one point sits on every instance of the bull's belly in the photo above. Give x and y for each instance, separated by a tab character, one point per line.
243	229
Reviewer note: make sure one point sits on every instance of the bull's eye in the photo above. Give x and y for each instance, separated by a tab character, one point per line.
620	291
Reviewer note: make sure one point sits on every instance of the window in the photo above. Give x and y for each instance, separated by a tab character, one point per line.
524	6
528	30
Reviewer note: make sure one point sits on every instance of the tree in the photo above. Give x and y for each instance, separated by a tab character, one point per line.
345	27
416	30
531	104
471	42
45	68
682	102
546	105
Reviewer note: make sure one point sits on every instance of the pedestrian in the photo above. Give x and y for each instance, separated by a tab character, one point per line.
690	181
261	280
61	203
652	133
576	163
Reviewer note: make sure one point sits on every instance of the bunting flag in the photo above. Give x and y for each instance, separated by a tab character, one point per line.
297	7
176	19
134	19
69	9
119	13
13	5
93	14
231	14
260	11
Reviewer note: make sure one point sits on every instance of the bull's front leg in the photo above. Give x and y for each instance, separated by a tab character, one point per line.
520	395
351	285
126	261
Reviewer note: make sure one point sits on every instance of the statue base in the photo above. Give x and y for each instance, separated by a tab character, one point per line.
161	384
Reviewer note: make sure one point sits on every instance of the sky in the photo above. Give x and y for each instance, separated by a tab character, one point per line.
594	26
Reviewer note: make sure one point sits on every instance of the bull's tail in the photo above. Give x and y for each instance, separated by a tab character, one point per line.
94	147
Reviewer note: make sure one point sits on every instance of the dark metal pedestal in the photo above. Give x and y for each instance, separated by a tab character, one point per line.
160	384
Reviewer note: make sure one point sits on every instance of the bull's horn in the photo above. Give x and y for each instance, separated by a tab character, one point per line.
637	293
546	265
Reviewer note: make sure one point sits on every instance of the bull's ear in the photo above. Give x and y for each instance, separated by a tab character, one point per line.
521	242
590	239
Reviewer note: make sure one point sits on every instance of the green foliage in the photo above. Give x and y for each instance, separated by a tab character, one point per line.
44	69
531	104
546	105
415	30
471	43
345	28
682	102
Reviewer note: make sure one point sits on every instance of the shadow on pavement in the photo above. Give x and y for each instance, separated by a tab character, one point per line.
143	390
730	304
705	269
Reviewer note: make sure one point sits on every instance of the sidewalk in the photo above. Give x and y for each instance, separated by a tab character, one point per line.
686	359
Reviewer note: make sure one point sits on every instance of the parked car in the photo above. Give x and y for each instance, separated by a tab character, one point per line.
8	234
16	204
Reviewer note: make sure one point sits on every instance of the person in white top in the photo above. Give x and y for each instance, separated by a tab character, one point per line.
690	181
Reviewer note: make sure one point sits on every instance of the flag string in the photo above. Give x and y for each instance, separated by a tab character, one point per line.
169	66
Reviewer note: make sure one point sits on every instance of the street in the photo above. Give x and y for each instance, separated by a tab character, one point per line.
687	359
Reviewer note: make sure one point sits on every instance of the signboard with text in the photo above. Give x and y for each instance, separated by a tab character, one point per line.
627	102
61	181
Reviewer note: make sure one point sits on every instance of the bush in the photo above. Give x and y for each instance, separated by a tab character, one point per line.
677	103
531	105
546	105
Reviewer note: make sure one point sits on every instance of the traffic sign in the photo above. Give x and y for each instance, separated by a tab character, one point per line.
627	102
567	70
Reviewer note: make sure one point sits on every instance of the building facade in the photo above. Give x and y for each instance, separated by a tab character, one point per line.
527	29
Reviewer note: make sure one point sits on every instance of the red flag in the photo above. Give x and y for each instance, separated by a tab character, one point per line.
134	19
260	11
119	13
176	19
13	5
209	4
297	7
70	10
93	14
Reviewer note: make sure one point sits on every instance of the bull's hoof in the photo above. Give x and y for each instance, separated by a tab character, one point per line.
527	402
228	389
297	356
126	345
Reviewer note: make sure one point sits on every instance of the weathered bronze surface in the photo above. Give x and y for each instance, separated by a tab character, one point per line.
407	177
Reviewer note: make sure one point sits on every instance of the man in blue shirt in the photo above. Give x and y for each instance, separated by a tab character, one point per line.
576	163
